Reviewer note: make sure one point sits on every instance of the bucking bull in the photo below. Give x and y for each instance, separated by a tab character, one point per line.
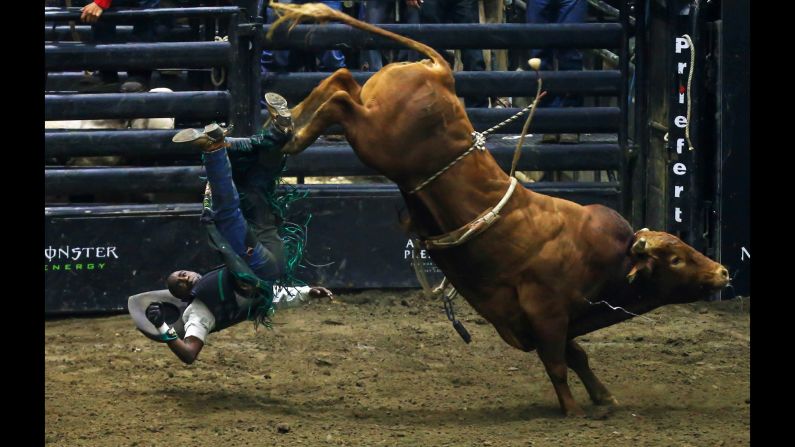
537	269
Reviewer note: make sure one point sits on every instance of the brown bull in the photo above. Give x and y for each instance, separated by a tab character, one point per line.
540	271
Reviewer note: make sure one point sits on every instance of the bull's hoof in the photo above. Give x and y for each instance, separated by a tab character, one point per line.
606	401
575	412
601	413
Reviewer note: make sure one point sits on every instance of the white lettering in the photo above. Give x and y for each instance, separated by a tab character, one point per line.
682	66
75	253
743	253
410	244
406	254
680	121
680	144
681	44
681	98
678	190
680	169
678	214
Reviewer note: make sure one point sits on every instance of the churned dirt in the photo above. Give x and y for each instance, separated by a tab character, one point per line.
385	368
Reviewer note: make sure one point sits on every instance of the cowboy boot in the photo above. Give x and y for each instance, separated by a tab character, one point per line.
279	113
209	139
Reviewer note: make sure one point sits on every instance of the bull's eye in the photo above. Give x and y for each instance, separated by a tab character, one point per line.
676	261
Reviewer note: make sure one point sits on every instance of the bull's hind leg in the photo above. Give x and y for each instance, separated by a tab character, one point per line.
341	80
340	108
577	360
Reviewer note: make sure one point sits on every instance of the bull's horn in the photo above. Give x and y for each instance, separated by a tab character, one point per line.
639	246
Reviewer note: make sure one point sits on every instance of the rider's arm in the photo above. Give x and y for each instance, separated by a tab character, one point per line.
199	321
188	349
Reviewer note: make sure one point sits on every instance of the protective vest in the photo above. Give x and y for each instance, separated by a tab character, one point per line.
216	290
233	303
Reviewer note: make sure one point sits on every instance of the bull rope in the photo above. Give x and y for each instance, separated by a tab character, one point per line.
480	139
445	289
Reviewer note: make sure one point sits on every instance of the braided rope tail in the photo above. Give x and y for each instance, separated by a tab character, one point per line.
689	86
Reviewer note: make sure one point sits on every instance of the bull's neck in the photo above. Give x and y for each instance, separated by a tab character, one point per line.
464	191
634	299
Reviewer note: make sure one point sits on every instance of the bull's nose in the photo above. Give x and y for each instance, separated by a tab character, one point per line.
721	277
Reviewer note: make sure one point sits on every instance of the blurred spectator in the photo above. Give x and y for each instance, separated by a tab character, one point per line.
457	11
493	12
558	11
143	31
378	11
284	60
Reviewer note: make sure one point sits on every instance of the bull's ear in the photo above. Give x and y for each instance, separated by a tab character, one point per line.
643	266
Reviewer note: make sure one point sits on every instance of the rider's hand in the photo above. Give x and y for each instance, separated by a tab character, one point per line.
154	313
91	13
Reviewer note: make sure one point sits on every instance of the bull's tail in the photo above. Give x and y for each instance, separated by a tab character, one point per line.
295	14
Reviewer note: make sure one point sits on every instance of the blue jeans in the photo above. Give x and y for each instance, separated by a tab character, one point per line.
558	11
376	11
285	60
229	219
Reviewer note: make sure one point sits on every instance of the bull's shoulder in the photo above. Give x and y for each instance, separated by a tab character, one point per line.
608	221
606	232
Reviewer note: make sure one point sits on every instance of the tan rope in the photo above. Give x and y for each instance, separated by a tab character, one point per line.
518	152
480	140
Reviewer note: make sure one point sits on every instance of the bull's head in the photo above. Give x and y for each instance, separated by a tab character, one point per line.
674	271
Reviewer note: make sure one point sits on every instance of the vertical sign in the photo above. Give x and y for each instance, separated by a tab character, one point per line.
680	165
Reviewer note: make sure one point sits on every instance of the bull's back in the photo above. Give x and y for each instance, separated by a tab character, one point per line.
416	97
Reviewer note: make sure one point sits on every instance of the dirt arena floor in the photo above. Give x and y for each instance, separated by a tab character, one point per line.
382	368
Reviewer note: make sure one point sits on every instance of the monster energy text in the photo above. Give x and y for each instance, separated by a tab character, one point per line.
76	266
89	258
76	253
